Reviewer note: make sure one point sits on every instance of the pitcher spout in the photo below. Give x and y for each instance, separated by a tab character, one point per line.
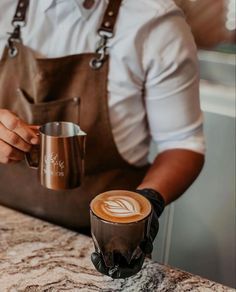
81	133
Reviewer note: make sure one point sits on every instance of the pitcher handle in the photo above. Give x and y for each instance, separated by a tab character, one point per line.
32	157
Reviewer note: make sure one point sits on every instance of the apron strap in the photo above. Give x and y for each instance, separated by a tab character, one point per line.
18	21
109	18
106	32
106	27
20	14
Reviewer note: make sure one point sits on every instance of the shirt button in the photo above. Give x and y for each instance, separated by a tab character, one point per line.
88	4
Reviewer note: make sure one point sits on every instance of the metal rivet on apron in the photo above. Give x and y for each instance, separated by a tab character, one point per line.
88	4
21	4
95	64
18	14
107	24
110	13
13	52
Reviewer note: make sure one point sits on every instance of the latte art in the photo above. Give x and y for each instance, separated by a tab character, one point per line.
120	206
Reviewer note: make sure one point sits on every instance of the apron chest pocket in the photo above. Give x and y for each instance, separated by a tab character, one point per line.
40	113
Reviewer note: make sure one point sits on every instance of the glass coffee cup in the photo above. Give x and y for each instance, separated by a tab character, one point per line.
120	222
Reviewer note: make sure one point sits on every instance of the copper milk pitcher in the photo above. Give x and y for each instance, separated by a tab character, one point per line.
59	157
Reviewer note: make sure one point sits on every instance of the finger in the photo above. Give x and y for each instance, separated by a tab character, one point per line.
35	128
9	161
13	139
146	246
115	272
98	263
9	153
13	123
136	266
130	270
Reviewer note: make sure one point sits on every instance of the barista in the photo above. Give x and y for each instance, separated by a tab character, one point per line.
140	83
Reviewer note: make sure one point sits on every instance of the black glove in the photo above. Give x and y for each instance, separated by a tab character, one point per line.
128	270
158	205
118	271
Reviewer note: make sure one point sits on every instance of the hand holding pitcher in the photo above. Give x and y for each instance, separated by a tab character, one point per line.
16	137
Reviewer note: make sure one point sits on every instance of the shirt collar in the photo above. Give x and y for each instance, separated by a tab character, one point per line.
85	13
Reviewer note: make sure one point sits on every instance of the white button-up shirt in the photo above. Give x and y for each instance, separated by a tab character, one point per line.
152	53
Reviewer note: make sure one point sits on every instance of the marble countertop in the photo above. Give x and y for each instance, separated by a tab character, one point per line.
39	256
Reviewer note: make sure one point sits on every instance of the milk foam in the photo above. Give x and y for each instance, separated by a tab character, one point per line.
121	206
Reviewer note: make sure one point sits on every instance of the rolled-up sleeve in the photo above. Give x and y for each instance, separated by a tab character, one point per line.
172	86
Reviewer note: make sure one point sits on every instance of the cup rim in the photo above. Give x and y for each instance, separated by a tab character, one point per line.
42	129
122	223
126	192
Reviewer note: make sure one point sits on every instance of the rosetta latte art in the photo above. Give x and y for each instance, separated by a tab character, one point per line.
120	206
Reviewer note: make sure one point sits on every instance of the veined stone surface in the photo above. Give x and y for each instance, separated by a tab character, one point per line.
38	256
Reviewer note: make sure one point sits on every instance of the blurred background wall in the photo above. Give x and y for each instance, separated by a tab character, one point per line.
198	231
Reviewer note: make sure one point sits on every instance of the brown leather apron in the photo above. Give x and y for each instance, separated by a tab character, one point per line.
68	89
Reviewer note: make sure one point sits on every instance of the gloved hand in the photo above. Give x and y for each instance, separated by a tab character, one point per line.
146	246
117	271
158	205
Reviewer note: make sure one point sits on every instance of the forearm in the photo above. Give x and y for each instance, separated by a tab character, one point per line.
172	172
207	19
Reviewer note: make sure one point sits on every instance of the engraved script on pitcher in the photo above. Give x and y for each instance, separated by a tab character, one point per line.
53	165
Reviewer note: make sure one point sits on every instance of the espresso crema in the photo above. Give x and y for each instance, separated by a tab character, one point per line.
120	206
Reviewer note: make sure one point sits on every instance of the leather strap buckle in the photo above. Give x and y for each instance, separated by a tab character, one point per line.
101	50
109	19
18	21
15	36
105	31
20	14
